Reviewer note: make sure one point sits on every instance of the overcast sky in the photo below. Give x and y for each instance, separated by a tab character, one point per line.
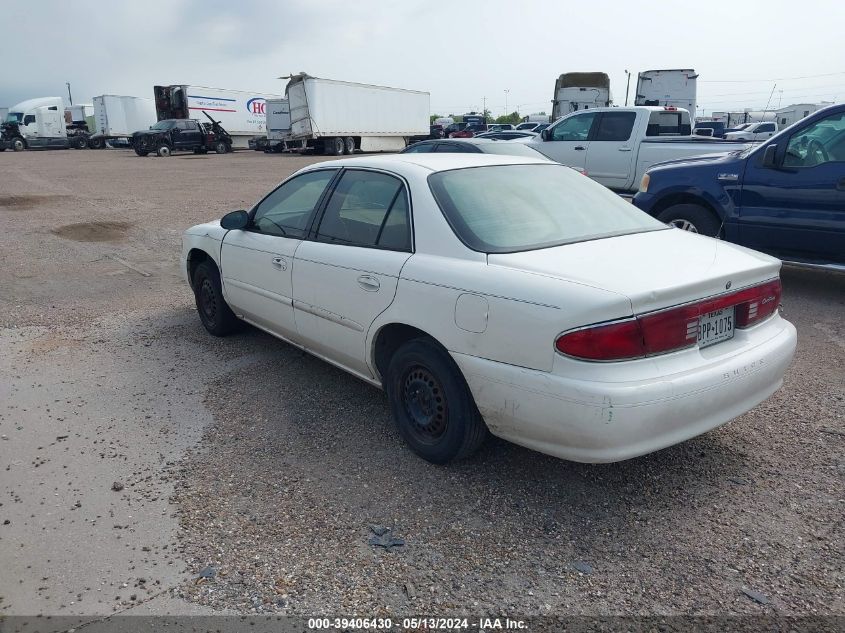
460	52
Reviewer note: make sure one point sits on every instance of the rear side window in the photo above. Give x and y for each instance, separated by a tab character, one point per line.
668	123
368	209
615	126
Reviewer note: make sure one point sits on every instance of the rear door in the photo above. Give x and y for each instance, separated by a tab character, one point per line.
610	155
798	210
256	263
346	274
568	140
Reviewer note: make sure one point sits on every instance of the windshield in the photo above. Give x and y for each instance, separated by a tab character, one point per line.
512	208
509	148
164	125
13	117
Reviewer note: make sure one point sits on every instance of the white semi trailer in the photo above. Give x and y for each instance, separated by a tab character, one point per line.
340	117
675	88
241	114
116	117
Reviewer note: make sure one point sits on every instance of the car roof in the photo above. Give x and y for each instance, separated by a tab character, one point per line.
431	162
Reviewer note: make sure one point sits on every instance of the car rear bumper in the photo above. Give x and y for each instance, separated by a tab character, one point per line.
596	421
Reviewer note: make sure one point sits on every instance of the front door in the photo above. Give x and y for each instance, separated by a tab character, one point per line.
568	140
610	156
256	263
798	209
347	275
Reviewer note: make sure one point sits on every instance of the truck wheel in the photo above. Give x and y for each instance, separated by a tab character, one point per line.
80	142
163	150
334	146
349	142
96	143
693	218
18	144
432	404
220	147
141	152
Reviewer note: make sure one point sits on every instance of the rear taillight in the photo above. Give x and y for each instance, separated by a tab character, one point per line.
667	330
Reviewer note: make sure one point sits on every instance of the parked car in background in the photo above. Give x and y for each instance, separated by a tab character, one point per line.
506	135
475	145
540	127
785	197
499	127
527	126
515	297
715	129
435	131
754	132
617	145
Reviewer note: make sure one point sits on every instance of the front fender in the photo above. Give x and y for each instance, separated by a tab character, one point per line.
203	238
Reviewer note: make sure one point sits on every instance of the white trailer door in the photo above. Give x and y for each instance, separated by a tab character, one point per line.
610	156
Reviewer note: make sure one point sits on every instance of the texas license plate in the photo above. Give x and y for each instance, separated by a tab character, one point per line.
715	327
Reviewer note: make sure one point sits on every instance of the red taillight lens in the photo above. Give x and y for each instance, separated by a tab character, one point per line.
669	330
616	341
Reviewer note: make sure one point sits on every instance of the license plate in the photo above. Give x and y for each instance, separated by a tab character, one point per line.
715	327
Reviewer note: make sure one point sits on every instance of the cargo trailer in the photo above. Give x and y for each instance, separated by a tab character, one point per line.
116	117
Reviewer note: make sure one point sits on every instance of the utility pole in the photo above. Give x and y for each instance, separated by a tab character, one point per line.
627	87
69	96
484	108
506	101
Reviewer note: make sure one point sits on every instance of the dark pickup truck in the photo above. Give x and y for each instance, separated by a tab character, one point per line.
785	197
171	135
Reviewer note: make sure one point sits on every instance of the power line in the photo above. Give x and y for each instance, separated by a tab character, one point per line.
744	81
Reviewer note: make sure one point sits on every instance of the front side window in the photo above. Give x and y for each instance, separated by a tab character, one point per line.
615	126
821	142
29	118
367	209
287	211
575	128
512	208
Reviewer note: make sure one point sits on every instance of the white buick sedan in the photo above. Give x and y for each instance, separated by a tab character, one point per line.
501	294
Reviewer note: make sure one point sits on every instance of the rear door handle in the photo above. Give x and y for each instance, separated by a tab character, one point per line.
280	262
579	148
369	283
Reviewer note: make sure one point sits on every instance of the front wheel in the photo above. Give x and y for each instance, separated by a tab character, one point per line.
163	150
220	147
693	218
431	403
18	144
141	152
216	315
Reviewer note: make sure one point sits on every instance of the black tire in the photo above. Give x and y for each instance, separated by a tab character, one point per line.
216	315
334	146
96	143
349	145
692	217
163	150
141	152
18	144
80	142
431	403
220	147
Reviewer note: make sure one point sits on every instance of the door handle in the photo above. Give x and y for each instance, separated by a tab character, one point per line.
579	147
840	186
280	262
624	149
369	283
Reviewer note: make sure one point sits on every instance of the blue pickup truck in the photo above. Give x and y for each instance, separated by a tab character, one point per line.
785	196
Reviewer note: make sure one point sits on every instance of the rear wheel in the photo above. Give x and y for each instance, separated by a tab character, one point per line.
18	144
220	147
163	150
693	218
215	314
431	403
96	143
349	145
80	142
334	146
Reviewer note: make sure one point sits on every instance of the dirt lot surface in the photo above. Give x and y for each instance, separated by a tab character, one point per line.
138	453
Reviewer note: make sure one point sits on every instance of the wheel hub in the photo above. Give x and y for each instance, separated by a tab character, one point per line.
208	299
684	225
425	404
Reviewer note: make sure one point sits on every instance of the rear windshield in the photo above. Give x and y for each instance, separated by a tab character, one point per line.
512	208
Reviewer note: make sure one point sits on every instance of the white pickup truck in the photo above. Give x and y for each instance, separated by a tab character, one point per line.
615	146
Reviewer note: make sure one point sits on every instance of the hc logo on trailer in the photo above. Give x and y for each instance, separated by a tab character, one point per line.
256	105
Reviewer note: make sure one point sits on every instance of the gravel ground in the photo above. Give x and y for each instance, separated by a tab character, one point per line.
268	481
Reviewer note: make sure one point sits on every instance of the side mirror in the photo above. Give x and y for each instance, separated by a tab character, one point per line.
546	134
235	220
770	159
